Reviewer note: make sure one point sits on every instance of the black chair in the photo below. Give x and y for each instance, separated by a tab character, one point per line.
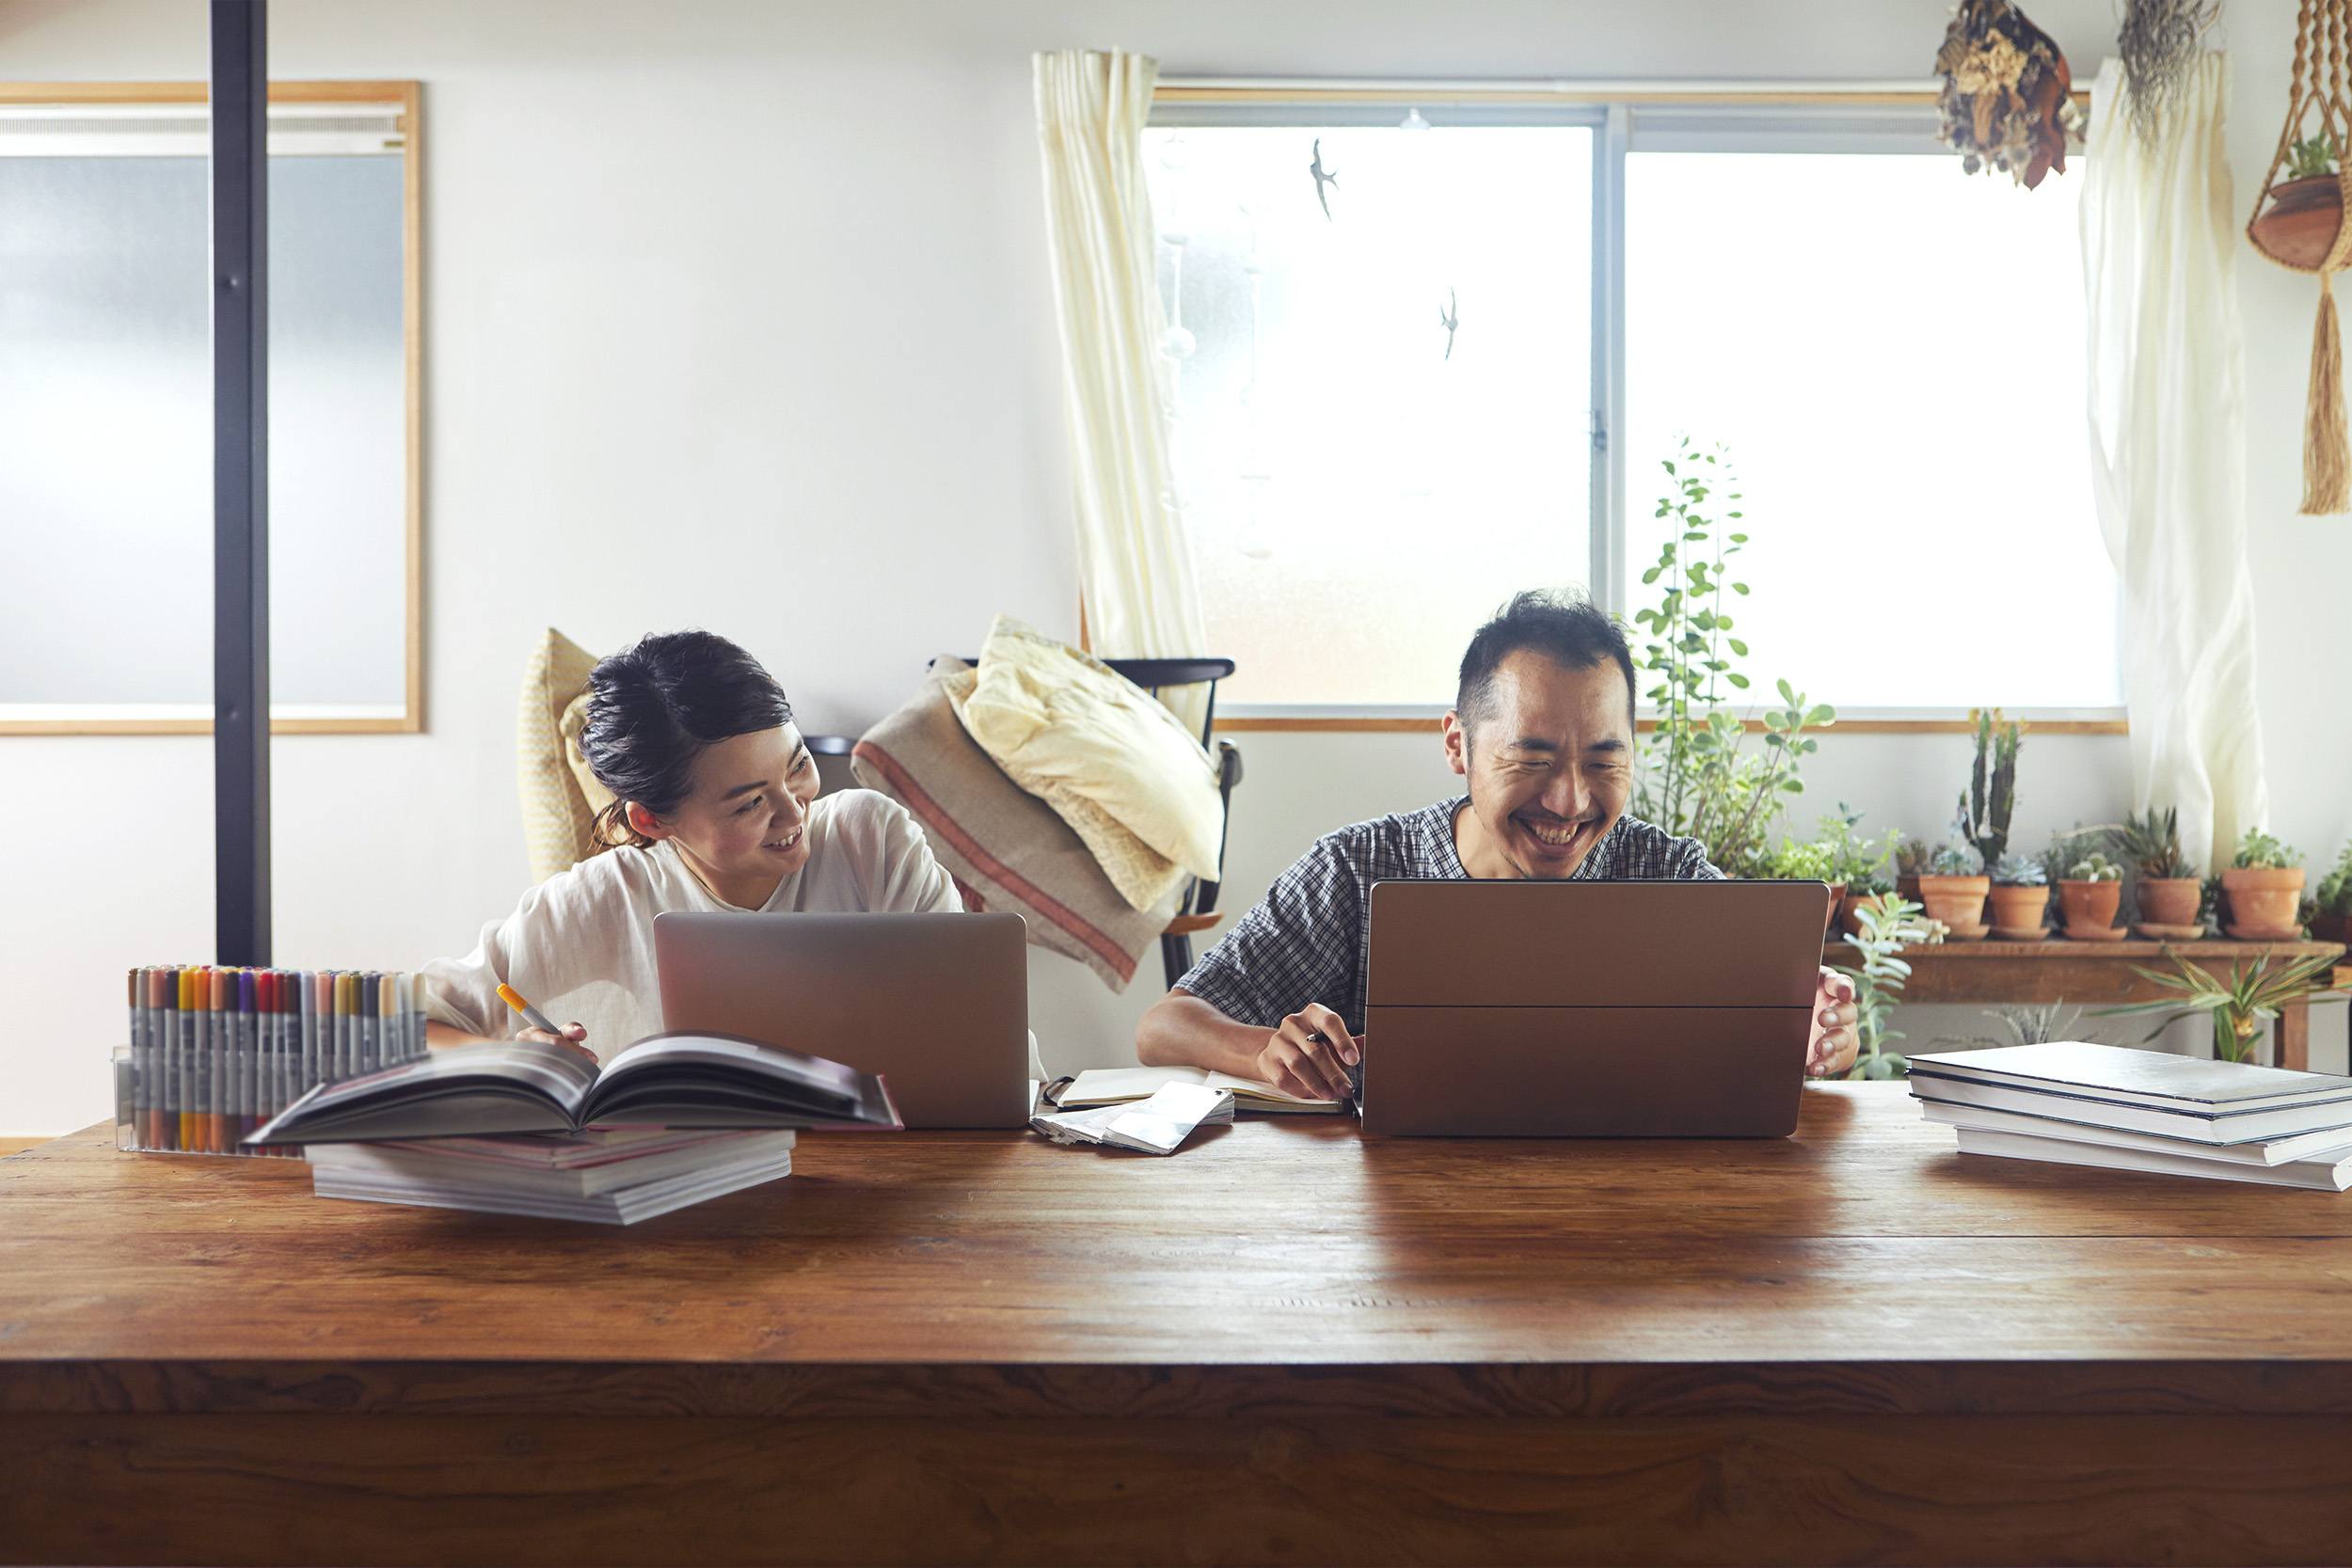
1196	910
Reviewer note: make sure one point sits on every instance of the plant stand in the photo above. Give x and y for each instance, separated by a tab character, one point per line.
2092	974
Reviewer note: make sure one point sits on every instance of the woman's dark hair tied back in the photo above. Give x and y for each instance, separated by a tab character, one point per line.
654	707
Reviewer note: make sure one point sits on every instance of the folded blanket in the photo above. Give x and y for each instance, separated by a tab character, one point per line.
1005	846
1120	768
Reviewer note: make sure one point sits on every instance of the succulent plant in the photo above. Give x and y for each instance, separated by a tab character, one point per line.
2151	844
2259	851
2311	157
1955	859
2018	871
2094	867
1991	793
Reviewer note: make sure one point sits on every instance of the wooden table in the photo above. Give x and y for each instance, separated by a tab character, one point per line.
1285	1344
2090	974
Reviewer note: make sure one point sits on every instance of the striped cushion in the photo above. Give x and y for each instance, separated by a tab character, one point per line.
1005	846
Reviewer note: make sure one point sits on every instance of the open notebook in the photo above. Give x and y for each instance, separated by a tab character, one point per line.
1117	1085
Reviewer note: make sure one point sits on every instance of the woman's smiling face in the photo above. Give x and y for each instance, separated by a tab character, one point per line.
747	816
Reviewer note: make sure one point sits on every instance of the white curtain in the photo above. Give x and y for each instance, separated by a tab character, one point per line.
1134	571
2168	439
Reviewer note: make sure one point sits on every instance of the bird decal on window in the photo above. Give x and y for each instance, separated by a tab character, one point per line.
1323	176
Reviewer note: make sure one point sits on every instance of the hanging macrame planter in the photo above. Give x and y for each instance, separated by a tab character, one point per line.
2298	222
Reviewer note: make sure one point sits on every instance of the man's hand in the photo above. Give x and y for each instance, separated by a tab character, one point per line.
1310	1055
1831	1047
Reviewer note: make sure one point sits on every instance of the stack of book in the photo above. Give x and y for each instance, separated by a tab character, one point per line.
2076	1104
527	1128
614	1176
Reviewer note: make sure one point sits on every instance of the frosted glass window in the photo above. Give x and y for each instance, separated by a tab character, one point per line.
106	432
1893	353
1384	412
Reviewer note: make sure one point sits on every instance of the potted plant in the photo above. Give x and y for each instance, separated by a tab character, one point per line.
1986	804
2331	903
2239	1005
2021	898
1858	864
1953	890
2022	1025
1810	862
1911	862
2299	228
1884	928
2263	884
2168	890
2089	894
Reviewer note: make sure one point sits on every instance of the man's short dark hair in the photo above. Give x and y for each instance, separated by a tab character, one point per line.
1566	628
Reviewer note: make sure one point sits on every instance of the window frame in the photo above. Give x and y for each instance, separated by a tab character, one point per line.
288	101
1865	118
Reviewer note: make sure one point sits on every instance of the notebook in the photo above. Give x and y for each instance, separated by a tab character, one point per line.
1117	1085
2259	1151
1157	1124
2142	1091
671	1080
2324	1175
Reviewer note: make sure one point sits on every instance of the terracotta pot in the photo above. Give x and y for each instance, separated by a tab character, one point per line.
1957	901
2332	928
1847	919
1907	886
1836	902
2088	908
2262	898
2020	909
2299	228
2170	901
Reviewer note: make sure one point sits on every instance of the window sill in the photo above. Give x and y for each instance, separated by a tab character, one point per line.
1270	718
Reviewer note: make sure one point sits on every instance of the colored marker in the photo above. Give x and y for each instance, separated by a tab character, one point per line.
531	1015
184	1068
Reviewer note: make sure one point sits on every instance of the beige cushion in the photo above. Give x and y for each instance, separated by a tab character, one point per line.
1120	768
1004	847
591	787
556	815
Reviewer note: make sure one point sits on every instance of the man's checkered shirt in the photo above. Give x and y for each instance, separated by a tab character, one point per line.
1309	939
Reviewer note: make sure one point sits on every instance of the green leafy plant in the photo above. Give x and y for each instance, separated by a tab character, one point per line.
1802	862
2334	893
2259	851
2024	1025
2237	1005
2094	867
1856	862
2311	157
2017	871
1991	797
2151	845
1696	780
1887	926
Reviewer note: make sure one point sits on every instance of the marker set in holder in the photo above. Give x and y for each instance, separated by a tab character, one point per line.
215	1053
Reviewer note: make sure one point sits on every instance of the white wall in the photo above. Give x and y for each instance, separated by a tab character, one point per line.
738	317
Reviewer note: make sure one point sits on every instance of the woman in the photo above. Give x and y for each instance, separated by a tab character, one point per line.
716	809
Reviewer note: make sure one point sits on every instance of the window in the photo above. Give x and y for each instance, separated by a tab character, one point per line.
1889	350
105	410
1384	413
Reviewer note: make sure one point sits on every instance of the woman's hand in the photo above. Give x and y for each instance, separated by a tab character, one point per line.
574	1038
1310	1055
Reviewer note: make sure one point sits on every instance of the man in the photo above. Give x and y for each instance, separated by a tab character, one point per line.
1542	728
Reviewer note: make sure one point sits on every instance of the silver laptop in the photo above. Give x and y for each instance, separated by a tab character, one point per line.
937	1003
1590	1009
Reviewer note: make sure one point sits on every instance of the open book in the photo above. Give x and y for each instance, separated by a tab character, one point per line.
1117	1085
674	1080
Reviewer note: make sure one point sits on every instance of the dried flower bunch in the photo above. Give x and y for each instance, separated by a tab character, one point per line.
2005	101
2158	41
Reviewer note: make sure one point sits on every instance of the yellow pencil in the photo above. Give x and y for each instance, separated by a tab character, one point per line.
531	1015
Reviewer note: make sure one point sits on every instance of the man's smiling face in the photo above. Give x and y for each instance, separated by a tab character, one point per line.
1549	753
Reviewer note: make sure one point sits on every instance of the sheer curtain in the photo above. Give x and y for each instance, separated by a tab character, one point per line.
1134	571
2168	437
